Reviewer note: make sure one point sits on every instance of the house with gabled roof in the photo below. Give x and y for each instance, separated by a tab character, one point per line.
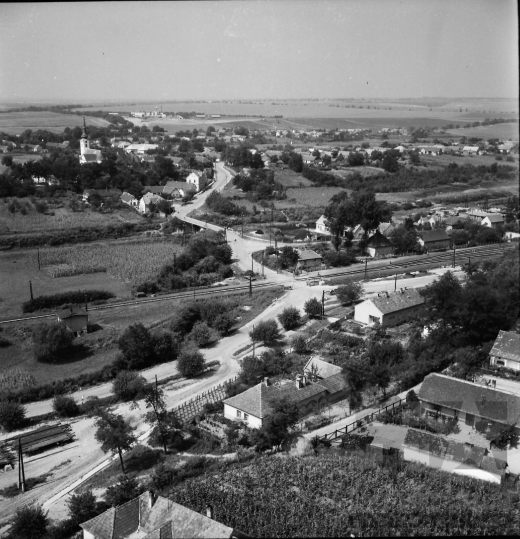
468	401
506	350
129	199
309	260
146	517
319	369
177	161
198	179
176	189
379	245
322	226
435	239
254	405
147	201
493	220
452	456
390	308
75	318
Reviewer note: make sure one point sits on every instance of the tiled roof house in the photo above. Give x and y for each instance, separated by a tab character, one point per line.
506	350
389	309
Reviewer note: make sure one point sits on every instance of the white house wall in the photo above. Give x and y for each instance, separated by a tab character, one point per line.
252	421
364	310
510	364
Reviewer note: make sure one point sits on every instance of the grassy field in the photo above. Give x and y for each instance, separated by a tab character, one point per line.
311	196
289	178
59	217
17	268
17	122
132	261
500	131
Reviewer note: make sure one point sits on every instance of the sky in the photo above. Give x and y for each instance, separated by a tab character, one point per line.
258	49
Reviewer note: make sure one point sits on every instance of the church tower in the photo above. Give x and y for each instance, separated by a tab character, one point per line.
84	143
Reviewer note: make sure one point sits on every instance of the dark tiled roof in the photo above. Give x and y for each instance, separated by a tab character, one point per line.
102	526
126	519
437	234
495	218
397	301
378	240
470	398
172	185
155	189
72	311
127	197
493	465
507	346
89	157
335	383
461	452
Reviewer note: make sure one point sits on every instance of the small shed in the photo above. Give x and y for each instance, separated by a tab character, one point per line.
434	239
378	245
309	260
75	318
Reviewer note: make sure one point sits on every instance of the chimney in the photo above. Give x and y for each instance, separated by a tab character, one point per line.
298	381
209	511
266	381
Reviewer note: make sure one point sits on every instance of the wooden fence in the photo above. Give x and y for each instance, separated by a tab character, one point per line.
351	427
190	409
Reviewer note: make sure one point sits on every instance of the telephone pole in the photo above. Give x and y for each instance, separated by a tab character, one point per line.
454	255
253	338
395	283
31	290
366	263
39	265
323	303
21	469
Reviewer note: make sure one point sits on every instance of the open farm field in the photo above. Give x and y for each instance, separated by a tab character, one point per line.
476	160
17	122
499	131
312	196
17	268
364	171
131	262
63	218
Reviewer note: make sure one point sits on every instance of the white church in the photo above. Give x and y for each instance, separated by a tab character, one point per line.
87	155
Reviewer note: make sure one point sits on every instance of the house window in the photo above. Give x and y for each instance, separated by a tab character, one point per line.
373	319
501	363
239	413
246	417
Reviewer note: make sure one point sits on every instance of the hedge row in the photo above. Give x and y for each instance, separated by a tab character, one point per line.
57	300
76	235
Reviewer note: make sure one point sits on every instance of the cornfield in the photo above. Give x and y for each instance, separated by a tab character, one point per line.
15	379
131	262
336	495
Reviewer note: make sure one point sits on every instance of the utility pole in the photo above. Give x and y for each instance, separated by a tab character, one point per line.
366	263
39	266
253	338
395	283
251	263
251	286
242	225
469	265
453	255
183	232
323	303
263	254
21	469
86	304
30	290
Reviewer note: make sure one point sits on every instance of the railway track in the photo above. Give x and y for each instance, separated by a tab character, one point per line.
397	267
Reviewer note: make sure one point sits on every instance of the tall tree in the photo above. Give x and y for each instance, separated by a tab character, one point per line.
114	434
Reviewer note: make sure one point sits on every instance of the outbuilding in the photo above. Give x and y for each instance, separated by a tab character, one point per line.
390	309
379	245
433	240
506	350
309	260
493	220
75	318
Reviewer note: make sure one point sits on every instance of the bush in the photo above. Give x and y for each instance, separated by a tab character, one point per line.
266	331
191	362
57	300
65	406
12	415
128	385
127	488
82	507
299	344
163	477
202	334
350	292
165	346
51	340
290	318
313	308
137	346
30	522
223	323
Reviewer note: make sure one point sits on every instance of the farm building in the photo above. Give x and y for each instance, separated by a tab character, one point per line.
477	215
317	369
148	517
379	245
512	236
493	220
390	309
452	456
256	404
467	401
140	148
197	179
308	158
470	150
75	318
177	161
386	229
434	239
309	260
321	225
506	350
154	189
129	199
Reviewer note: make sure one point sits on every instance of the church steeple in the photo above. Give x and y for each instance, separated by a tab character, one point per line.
84	135
84	143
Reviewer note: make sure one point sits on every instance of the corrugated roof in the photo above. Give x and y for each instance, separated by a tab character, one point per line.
397	301
507	346
471	398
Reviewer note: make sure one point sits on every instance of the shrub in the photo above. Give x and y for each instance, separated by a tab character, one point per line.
30	522
223	323
299	344
12	415
313	308
137	346
266	331
350	292
290	318
57	300
127	488
51	340
165	346
82	507
128	385
91	406
191	362
202	334
65	406
163	477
